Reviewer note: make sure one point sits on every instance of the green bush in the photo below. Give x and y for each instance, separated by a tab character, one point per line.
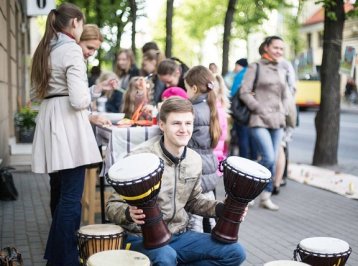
25	118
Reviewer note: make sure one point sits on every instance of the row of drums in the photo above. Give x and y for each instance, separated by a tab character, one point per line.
103	245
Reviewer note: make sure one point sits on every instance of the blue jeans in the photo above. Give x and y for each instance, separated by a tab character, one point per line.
267	141
191	248
247	147
61	248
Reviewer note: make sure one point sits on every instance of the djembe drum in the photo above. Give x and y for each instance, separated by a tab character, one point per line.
322	251
98	237
137	180
244	180
118	257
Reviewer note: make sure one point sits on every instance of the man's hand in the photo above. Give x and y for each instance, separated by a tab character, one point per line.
137	215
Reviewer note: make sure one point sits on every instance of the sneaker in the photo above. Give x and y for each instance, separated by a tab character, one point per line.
283	182
268	204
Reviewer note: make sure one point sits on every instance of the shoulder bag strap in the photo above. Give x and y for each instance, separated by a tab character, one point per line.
256	76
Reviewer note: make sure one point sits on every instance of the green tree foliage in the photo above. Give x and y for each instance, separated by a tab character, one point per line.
292	34
113	17
200	16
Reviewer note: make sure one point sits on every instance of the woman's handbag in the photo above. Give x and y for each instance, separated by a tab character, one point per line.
238	109
291	109
9	256
7	187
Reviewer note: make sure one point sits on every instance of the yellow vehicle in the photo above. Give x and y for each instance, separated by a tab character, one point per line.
308	93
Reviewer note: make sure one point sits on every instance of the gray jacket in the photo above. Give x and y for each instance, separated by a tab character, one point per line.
268	106
201	143
180	192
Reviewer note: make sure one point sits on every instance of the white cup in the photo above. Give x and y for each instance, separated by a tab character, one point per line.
101	104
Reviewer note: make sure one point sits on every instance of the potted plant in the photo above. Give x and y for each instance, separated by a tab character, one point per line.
25	124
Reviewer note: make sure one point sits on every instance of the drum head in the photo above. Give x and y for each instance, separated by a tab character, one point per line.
285	263
118	257
248	167
324	245
134	167
100	229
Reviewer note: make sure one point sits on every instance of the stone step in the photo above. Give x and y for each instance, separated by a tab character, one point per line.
20	160
20	154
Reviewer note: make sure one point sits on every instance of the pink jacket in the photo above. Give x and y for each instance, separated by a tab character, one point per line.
219	149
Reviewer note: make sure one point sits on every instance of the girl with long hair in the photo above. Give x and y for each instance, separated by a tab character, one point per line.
199	83
64	142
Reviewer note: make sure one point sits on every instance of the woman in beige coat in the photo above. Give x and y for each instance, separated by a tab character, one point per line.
64	141
267	106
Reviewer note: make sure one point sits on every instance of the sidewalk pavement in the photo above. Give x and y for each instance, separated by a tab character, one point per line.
304	212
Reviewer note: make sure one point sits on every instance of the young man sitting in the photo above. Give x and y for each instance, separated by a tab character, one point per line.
180	193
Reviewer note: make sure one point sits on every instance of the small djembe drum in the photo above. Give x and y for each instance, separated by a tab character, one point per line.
285	263
244	180
137	180
118	257
98	237
322	251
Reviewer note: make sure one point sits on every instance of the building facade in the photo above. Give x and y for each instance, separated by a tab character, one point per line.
14	38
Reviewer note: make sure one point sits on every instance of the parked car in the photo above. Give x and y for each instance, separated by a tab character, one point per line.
308	92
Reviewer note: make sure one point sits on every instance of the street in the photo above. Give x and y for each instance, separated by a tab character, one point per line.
304	137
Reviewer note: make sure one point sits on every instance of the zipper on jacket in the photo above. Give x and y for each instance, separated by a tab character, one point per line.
177	174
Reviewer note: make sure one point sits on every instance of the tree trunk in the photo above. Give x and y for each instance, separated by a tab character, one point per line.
327	118
227	34
169	28
133	5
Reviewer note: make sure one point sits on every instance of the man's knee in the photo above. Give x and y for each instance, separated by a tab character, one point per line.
165	256
236	253
239	252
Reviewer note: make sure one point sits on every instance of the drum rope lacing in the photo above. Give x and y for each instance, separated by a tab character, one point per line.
325	255
128	183
253	188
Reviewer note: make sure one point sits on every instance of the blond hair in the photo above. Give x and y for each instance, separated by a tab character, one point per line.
222	92
91	32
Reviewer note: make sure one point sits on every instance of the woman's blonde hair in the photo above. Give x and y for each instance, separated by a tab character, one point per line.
91	32
107	75
129	54
203	79
222	92
57	20
129	96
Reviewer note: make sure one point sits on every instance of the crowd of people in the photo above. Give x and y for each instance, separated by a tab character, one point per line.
194	118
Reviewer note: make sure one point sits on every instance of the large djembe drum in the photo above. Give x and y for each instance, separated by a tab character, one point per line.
118	257
98	237
137	180
244	180
322	251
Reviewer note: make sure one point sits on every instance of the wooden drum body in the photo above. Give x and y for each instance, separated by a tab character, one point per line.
118	257
137	180
244	180
98	237
322	251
